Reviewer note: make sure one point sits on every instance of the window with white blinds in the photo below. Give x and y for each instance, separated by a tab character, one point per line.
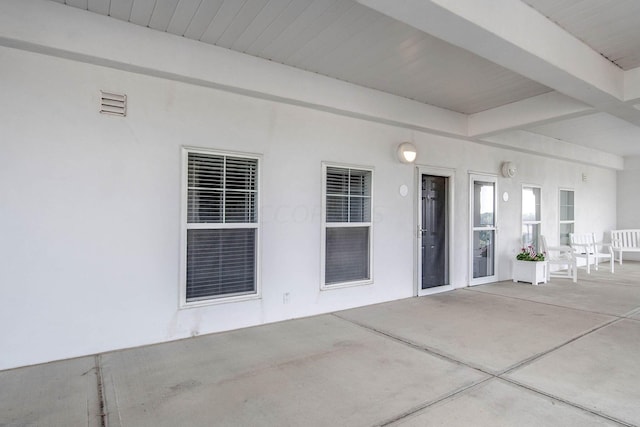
347	226
221	227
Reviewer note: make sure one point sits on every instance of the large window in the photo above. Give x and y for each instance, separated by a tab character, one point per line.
567	217
347	226
221	230
531	218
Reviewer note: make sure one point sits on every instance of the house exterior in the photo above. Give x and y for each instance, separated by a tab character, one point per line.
102	216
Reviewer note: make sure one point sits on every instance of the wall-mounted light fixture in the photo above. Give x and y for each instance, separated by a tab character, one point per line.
407	152
509	169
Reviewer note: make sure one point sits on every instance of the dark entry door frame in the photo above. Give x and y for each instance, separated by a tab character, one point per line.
420	231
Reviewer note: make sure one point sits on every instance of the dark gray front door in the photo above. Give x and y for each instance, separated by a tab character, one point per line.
434	231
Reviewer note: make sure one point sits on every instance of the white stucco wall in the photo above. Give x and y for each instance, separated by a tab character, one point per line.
90	212
628	200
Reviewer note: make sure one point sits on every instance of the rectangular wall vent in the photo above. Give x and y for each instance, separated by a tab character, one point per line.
112	103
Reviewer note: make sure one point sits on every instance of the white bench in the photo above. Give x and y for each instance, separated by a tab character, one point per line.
625	241
586	246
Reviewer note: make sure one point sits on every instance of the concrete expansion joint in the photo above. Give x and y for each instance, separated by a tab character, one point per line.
535	357
432	402
102	402
491	375
425	349
468	289
631	313
569	403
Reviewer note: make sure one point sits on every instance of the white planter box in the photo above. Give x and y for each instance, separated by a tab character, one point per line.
533	272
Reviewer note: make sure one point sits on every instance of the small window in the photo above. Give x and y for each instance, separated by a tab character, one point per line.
531	217
221	230
567	217
347	226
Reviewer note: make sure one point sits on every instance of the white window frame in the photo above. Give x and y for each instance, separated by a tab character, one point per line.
536	222
184	227
483	177
560	220
325	225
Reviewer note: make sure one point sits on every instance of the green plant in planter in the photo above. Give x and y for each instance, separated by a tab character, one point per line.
530	254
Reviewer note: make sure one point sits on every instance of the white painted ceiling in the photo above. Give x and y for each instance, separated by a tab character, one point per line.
336	38
347	40
594	131
610	27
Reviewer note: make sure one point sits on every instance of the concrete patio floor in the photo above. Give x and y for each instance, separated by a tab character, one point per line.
504	354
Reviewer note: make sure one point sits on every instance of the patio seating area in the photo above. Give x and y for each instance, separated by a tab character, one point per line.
503	354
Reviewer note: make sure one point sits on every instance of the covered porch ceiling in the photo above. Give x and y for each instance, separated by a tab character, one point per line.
557	70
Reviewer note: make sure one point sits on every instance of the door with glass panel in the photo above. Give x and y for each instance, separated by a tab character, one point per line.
433	233
483	190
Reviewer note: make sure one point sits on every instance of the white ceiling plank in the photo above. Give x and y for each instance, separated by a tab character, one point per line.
620	136
277	26
141	12
249	12
223	19
162	14
307	25
534	111
330	37
540	145
354	23
517	37
184	13
254	30
80	4
409	50
632	86
202	18
99	6
351	47
383	44
514	35
609	26
121	9
480	87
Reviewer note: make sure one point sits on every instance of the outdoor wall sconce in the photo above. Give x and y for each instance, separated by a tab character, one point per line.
509	169
407	152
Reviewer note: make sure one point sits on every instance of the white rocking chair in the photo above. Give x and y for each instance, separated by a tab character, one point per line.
586	246
562	256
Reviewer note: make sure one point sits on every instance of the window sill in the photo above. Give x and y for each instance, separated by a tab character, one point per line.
218	301
346	285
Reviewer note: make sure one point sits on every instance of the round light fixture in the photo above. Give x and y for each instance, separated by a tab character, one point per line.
509	169
407	152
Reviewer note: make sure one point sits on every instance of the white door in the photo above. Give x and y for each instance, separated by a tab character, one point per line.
483	208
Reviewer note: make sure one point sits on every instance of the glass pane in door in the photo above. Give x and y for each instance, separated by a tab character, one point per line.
483	253
434	232
483	199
